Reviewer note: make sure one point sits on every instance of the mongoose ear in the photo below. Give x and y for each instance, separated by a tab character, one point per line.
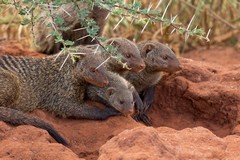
114	42
148	47
78	57
110	91
132	88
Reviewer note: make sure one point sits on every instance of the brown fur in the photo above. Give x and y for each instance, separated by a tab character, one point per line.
117	94
130	55
47	44
27	84
158	58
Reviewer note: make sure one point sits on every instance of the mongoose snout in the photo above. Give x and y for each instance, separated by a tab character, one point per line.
125	106
121	99
130	56
159	57
91	71
118	94
96	77
173	65
136	67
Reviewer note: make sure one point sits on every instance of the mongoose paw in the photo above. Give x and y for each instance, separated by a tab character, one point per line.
112	111
143	118
139	107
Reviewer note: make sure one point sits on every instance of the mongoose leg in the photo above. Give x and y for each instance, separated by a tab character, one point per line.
15	117
139	104
103	101
148	95
86	111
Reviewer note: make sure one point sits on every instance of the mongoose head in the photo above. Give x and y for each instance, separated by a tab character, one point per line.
158	57
130	53
121	100
88	67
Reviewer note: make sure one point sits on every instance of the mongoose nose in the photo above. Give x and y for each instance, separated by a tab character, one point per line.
142	66
105	82
128	112
101	83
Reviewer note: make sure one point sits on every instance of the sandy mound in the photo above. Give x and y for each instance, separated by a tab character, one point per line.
202	94
164	143
27	142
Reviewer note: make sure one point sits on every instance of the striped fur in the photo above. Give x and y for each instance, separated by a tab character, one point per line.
28	83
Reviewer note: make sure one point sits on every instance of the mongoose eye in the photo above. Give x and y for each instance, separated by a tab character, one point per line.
121	102
128	55
92	69
152	59
165	57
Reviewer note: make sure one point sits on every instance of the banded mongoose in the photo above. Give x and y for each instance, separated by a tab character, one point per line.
158	58
130	55
27	84
69	13
117	94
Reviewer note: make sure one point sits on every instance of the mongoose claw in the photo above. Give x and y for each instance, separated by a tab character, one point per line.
145	107
143	118
146	120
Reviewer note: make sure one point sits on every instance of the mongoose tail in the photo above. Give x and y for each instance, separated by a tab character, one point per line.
17	118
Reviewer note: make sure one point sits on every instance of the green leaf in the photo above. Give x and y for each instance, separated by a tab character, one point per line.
64	28
119	56
68	43
82	14
23	11
58	20
25	21
54	33
59	39
6	1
